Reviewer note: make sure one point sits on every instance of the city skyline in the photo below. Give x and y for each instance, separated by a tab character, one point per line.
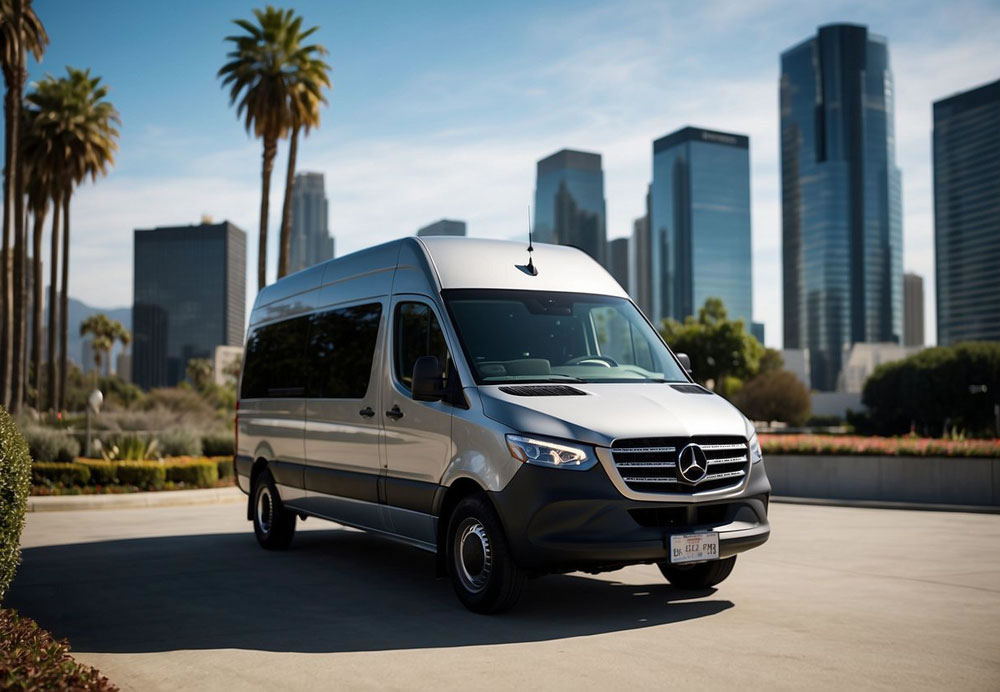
619	83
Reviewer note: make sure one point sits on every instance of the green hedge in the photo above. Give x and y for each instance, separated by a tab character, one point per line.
102	472
54	473
217	445
15	481
148	475
225	466
201	474
179	442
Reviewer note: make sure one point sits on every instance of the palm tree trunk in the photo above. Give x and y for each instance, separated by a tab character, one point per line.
270	151
53	294
286	210
64	303
20	237
36	320
6	282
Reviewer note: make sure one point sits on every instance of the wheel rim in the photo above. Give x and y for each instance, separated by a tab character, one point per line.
473	555
265	509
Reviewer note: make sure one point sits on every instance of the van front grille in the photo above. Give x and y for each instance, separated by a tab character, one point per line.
649	465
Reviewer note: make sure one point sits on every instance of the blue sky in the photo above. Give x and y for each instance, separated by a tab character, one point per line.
441	110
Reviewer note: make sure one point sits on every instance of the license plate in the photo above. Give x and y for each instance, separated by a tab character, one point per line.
694	547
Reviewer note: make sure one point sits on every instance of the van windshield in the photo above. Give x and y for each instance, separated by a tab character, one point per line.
541	336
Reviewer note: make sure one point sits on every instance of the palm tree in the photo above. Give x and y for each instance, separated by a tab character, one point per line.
105	332
20	31
77	138
264	74
38	187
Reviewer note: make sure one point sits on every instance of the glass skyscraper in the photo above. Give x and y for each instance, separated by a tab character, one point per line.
842	229
569	202
967	215
310	242
189	286
700	224
618	256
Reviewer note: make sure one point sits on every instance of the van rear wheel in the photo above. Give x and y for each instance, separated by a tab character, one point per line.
698	576
273	525
482	571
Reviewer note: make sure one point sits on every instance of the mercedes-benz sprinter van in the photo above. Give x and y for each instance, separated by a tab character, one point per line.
514	417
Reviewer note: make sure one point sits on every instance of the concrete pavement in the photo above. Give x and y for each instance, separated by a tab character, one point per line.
164	598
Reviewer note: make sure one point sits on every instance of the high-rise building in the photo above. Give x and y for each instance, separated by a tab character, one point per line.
569	202
310	241
967	215
640	267
700	221
757	331
617	258
842	228
913	310
443	227
189	297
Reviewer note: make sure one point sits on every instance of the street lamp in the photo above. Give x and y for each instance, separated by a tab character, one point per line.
94	401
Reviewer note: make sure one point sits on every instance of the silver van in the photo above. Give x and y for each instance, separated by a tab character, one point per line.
514	417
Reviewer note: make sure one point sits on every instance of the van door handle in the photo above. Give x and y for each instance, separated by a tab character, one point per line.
394	413
367	412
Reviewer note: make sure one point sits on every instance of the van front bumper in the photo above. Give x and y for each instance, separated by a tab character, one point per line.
558	520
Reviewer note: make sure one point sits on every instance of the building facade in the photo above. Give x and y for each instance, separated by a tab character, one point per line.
618	256
443	227
842	229
967	215
700	224
913	310
189	297
310	242
569	202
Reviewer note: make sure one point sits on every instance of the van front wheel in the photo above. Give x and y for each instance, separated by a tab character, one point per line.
273	525
698	576
484	575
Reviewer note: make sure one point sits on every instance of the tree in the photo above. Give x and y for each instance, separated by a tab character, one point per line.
199	372
20	31
719	348
104	332
774	395
38	186
275	83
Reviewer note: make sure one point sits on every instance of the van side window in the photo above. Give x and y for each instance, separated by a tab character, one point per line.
275	363
341	351
417	334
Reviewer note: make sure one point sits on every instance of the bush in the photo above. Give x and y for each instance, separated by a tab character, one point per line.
15	481
179	443
30	659
128	447
776	395
855	445
102	472
225	466
200	474
217	444
148	475
55	473
46	444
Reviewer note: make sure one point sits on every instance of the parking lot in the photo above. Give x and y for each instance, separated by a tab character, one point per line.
182	597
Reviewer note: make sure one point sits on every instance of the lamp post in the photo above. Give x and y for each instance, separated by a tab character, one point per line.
94	401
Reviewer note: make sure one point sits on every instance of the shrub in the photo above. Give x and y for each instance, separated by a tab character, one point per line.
129	447
217	444
776	395
148	475
30	659
225	466
15	481
201	473
102	472
55	473
46	444
179	443
878	446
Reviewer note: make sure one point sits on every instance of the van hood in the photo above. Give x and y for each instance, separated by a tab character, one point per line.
615	411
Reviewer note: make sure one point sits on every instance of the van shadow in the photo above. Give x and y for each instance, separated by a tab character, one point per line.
333	591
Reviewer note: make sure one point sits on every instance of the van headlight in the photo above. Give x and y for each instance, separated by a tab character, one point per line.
532	450
756	454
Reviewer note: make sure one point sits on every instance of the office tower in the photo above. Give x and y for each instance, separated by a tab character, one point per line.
967	215
757	331
700	224
443	227
842	229
618	260
913	310
640	262
310	241
189	297
569	202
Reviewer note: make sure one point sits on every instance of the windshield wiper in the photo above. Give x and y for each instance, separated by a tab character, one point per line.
554	377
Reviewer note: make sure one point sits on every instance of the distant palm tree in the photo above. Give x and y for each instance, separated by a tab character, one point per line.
20	31
104	332
78	138
274	79
39	190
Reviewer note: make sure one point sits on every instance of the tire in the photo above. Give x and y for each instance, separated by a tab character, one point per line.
273	525
699	576
482	571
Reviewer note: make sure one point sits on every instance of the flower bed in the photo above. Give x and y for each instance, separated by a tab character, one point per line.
91	476
856	445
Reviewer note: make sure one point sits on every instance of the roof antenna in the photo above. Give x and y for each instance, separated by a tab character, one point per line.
529	268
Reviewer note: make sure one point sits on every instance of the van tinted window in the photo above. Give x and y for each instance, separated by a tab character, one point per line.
417	334
342	348
275	361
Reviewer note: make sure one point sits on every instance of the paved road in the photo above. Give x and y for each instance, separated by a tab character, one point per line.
171	598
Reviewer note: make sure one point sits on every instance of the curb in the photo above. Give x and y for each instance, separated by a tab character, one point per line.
885	504
164	498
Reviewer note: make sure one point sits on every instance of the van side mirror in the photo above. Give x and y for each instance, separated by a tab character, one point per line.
428	385
685	361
